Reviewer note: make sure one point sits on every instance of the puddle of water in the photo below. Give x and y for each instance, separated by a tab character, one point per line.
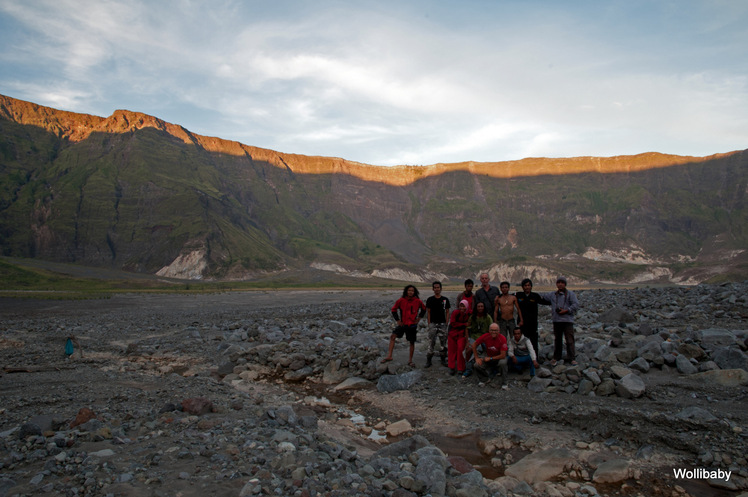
467	448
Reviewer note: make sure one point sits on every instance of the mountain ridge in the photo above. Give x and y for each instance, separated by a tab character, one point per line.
124	120
134	192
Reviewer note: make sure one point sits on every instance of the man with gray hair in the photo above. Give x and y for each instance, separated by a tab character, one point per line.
487	294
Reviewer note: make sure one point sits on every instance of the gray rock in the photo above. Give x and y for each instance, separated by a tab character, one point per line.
639	364
392	382
730	358
299	375
617	315
645	329
626	355
725	377
29	430
353	383
430	470
540	466
691	350
698	414
684	365
649	350
538	384
592	376
630	386
401	449
713	338
619	372
612	471
604	354
585	387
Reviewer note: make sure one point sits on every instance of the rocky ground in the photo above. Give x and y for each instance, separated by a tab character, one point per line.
283	393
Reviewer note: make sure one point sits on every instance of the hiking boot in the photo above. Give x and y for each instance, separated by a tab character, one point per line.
444	360
428	360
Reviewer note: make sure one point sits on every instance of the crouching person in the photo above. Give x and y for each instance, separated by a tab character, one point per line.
494	361
521	353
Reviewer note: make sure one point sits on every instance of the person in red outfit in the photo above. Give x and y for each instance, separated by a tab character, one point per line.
494	361
457	338
407	311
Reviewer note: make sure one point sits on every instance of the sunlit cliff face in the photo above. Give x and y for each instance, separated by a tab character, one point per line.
77	127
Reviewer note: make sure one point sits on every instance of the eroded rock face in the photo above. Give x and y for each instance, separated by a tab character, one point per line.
191	206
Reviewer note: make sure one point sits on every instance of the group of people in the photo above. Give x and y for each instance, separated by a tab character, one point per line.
490	331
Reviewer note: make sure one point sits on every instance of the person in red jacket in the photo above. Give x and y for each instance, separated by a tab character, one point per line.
407	311
457	338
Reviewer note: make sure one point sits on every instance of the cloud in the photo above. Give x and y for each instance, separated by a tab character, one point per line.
407	81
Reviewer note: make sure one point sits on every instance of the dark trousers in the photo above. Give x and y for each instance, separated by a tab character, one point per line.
563	331
530	330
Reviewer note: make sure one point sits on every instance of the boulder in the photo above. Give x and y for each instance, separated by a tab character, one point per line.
538	384
617	315
730	358
606	387
619	372
197	406
300	375
725	377
353	383
694	413
713	338
540	466
585	387
691	350
392	382
398	428
612	471
684	365
639	364
630	386
604	354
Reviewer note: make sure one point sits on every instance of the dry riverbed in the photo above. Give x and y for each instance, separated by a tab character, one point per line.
282	393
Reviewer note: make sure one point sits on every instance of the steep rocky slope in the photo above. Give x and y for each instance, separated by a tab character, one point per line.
131	191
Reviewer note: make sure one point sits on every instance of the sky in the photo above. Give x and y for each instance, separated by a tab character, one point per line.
398	82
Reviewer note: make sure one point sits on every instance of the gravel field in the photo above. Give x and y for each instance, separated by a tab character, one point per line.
283	393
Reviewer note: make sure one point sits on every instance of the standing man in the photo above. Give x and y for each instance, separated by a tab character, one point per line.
437	312
528	304
467	295
487	294
503	311
407	311
564	305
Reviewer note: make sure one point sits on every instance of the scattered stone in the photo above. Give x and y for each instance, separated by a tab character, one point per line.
698	414
197	406
540	466
398	428
630	386
611	471
685	366
725	377
391	383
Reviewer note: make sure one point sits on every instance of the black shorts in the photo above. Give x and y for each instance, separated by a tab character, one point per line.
409	331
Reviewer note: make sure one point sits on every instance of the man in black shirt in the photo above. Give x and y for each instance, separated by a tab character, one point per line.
437	315
528	304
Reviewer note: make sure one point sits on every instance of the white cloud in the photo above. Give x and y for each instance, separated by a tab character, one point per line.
408	81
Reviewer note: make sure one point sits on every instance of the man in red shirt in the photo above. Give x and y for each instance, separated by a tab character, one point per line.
494	360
